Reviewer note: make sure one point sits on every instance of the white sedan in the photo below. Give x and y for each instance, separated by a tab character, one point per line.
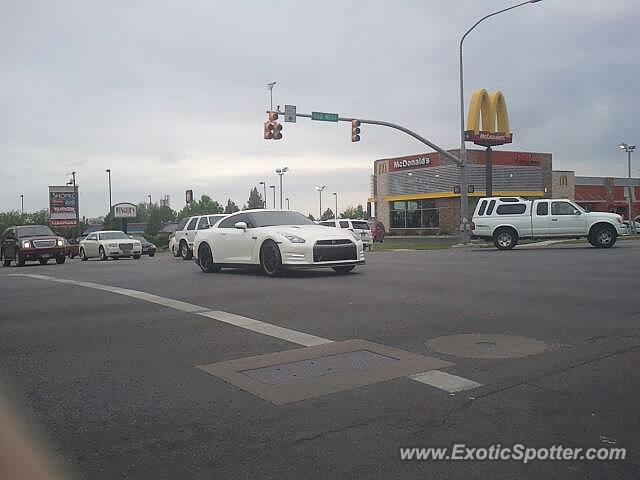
109	244
275	240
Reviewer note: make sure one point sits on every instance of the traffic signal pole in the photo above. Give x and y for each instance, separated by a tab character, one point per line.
411	133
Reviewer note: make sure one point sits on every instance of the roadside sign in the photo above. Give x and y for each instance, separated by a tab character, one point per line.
324	117
124	210
290	113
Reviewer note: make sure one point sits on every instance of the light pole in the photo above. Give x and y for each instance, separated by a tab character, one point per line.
21	204
287	199
320	189
270	86
110	202
149	197
464	188
281	172
629	148
273	187
264	198
335	215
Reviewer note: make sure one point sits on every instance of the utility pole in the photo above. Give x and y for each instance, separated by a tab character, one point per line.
149	196
75	194
270	86
320	189
335	215
629	149
288	208
264	198
110	201
22	204
281	172
273	187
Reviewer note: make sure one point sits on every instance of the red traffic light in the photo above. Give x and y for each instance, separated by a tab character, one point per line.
277	131
268	130
355	130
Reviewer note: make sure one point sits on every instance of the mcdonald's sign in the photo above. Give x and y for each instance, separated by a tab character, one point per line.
491	108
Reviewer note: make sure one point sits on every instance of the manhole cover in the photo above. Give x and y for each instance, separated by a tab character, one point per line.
475	345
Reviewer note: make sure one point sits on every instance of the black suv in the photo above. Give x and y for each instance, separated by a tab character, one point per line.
31	242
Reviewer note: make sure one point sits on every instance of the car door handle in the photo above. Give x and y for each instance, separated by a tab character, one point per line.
554	219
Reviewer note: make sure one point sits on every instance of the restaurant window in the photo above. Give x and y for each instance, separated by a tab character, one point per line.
415	214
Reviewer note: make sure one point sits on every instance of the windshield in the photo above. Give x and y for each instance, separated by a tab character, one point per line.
361	225
34	231
113	236
267	219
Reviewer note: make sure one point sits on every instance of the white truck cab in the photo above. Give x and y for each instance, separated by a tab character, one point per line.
505	220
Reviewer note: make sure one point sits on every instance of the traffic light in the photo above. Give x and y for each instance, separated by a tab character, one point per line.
268	130
272	129
277	131
355	130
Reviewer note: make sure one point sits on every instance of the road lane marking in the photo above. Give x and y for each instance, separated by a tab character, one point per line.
445	381
269	329
435	378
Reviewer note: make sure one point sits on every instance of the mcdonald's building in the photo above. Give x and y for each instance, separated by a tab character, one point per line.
419	194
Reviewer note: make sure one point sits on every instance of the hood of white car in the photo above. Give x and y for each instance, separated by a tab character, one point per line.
612	216
313	232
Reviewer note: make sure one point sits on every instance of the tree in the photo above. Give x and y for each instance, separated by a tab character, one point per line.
327	215
231	207
355	213
154	222
110	222
255	199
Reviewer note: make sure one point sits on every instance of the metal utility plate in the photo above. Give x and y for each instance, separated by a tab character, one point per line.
300	374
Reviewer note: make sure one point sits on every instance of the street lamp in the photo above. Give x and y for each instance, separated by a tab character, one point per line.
288	207
335	215
320	189
464	189
281	172
108	170
273	187
629	148
264	198
149	197
21	204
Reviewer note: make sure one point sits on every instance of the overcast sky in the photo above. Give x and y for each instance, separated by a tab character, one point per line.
171	95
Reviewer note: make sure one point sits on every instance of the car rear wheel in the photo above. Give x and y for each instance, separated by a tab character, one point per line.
83	255
345	269
43	261
19	259
103	255
151	254
61	259
205	260
603	237
270	258
136	257
505	239
185	253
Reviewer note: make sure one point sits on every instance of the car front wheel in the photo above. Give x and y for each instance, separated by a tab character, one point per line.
103	255
270	258
603	237
19	259
61	259
5	261
184	251
83	255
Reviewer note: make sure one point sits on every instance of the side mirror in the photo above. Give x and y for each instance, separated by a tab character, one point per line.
241	225
578	212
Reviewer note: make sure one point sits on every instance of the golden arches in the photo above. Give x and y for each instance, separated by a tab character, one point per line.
490	107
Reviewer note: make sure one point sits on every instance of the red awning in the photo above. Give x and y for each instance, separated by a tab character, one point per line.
591	194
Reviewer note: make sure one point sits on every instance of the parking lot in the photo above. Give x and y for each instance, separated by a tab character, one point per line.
152	369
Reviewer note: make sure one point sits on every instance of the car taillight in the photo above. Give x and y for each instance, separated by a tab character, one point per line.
473	226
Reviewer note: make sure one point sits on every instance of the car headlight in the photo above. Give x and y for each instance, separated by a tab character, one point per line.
26	244
112	245
293	238
620	219
60	242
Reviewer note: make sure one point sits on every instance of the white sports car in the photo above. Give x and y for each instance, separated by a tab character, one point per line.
275	240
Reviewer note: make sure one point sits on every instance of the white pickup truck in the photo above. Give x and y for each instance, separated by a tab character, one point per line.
505	220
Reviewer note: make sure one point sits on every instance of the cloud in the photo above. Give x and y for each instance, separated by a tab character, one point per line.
172	96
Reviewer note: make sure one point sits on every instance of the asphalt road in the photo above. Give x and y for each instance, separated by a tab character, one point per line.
109	378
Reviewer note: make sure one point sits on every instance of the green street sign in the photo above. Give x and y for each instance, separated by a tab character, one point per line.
325	117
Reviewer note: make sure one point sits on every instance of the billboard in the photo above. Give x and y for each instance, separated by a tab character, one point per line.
124	210
63	203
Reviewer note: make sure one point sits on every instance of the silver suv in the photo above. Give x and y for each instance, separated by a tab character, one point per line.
186	232
359	227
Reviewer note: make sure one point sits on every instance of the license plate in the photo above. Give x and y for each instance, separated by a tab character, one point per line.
126	250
